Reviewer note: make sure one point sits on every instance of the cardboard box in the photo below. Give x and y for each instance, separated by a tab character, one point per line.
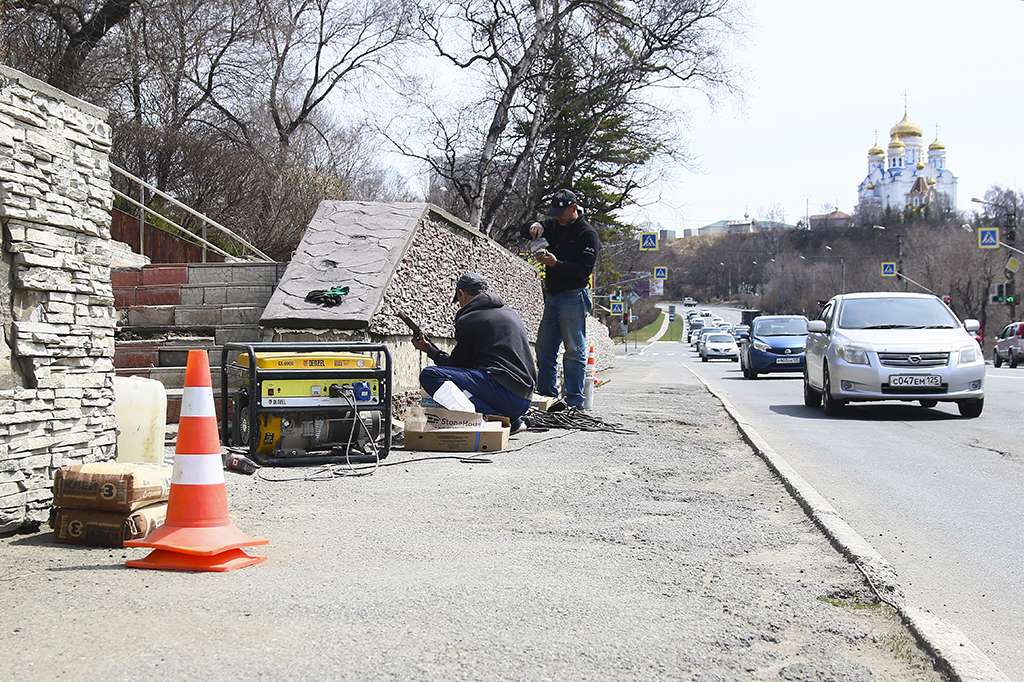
111	486
438	418
542	402
102	528
491	437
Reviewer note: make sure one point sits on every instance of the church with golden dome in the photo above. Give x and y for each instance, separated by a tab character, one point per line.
905	174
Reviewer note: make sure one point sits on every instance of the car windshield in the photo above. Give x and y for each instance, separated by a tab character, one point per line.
720	338
698	323
781	326
895	313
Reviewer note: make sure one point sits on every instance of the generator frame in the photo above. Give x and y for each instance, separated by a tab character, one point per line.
382	373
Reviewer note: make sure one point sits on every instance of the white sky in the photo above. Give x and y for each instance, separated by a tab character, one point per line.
822	75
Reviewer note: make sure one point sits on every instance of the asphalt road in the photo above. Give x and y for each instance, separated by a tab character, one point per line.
938	496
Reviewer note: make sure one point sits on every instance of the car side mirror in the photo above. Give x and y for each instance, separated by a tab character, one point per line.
972	326
816	327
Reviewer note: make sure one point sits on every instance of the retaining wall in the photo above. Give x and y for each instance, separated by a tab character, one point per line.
56	304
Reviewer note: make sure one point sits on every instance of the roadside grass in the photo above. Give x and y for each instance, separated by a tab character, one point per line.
901	645
645	334
675	330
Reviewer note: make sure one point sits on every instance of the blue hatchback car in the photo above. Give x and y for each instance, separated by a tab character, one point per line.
776	344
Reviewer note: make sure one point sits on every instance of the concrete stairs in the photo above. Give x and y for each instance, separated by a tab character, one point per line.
166	310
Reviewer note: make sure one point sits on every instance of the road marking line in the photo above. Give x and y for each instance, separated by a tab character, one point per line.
951	648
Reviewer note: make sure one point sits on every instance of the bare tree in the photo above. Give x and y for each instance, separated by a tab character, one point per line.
510	47
76	29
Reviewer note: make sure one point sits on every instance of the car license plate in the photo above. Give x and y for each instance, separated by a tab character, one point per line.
787	361
915	380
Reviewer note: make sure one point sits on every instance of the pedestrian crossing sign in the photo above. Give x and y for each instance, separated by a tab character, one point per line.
888	269
648	241
988	237
661	272
616	307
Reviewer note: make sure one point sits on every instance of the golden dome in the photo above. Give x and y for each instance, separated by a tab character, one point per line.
931	181
876	151
906	128
920	165
871	185
896	143
936	146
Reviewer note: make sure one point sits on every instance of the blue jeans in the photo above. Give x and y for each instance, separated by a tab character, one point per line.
488	396
564	322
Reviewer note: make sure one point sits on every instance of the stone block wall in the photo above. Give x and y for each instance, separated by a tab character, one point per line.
424	282
56	303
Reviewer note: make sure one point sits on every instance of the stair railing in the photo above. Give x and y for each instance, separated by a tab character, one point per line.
205	221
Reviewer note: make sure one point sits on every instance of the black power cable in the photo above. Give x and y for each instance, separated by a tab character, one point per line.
575	419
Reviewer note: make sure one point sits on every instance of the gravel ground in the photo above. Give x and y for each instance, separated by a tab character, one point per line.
670	554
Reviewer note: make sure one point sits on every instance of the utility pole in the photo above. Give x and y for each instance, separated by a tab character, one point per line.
899	258
1011	240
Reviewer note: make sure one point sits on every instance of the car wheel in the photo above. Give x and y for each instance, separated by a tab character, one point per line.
928	403
811	397
749	373
1013	360
703	358
997	361
832	406
971	409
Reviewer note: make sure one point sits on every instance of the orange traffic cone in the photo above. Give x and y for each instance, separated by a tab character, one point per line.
198	534
589	379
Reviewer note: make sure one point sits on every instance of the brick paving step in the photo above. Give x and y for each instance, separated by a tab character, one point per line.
222	294
147	295
222	333
235	273
185	315
170	377
174	405
163	352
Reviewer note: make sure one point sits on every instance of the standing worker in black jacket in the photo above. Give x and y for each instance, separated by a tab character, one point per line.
491	359
569	260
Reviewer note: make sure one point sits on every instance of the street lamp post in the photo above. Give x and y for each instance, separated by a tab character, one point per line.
1010	238
899	253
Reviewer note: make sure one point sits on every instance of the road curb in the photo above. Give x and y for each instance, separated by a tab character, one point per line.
953	651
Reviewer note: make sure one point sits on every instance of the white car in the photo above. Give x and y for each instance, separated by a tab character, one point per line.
719	345
892	346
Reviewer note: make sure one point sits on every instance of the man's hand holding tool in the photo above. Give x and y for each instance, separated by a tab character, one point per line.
546	258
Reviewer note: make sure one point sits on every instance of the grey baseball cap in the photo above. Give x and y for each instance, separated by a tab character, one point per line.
470	282
562	199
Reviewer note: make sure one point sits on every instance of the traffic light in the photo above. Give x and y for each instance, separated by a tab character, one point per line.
1009	293
998	293
1011	228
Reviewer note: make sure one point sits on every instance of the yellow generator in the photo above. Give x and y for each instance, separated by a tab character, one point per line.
300	404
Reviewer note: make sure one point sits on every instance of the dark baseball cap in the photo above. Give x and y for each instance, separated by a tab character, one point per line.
562	199
471	283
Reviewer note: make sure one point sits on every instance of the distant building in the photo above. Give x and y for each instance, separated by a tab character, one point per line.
666	236
835	220
744	226
902	177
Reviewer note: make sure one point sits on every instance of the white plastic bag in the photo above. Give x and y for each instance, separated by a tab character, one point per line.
449	396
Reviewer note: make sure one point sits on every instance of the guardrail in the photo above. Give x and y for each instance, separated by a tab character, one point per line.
201	239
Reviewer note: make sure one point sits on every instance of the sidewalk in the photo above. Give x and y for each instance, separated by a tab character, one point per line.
671	554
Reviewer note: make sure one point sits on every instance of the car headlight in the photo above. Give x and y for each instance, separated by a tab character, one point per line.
761	346
968	355
853	355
